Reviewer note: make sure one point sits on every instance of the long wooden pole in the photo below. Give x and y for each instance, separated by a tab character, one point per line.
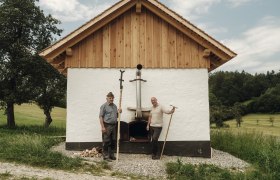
119	117
166	134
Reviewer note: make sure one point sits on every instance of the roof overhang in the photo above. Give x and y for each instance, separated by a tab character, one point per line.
219	54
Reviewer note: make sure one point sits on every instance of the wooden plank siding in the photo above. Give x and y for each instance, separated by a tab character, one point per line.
132	39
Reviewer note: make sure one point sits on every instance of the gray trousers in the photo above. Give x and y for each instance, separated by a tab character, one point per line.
155	133
109	139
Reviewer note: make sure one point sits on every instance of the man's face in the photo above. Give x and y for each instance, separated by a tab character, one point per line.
154	101
110	100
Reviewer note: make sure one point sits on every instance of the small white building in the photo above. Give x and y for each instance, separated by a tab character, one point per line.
176	57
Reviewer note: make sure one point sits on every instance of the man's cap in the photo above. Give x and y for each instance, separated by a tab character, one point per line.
110	94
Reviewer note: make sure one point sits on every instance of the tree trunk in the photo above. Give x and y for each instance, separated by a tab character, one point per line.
10	115
48	119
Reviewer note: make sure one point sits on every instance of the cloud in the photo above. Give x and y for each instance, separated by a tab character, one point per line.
193	9
190	9
236	3
73	10
212	29
256	46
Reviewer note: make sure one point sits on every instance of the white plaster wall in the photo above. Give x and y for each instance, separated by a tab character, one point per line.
185	88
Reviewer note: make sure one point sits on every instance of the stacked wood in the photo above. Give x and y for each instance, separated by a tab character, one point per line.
94	152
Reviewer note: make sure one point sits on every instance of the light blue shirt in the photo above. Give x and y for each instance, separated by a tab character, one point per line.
109	113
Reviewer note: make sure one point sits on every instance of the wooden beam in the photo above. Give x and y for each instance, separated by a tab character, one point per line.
59	66
215	61
191	27
69	52
206	53
189	30
57	60
87	29
138	7
63	71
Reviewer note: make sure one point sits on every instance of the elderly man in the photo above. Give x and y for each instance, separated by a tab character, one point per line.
108	119
155	123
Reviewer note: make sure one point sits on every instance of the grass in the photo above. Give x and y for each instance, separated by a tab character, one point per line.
259	123
263	152
31	114
31	145
121	175
29	142
260	150
6	175
30	148
182	171
256	142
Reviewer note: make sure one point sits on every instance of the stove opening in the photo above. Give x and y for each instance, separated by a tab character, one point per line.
138	132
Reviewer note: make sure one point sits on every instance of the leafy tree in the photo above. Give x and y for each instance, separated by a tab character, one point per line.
216	116
231	87
24	30
271	120
237	111
213	100
269	102
50	89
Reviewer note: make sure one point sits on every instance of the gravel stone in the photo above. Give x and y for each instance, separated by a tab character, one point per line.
23	171
143	164
139	164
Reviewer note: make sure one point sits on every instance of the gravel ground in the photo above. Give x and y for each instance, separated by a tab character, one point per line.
142	164
22	172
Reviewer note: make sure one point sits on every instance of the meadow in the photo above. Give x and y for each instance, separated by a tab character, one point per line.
31	114
267	124
256	142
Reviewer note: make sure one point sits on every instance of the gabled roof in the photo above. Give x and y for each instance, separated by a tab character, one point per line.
219	54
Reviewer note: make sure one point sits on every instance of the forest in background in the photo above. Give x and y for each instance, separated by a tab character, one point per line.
234	94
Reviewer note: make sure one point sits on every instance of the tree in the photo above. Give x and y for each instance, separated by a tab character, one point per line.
269	102
51	89
237	114
24	30
271	120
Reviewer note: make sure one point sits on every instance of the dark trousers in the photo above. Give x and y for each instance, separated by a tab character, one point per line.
155	133
109	139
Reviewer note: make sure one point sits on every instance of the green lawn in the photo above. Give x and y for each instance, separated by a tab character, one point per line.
258	123
31	114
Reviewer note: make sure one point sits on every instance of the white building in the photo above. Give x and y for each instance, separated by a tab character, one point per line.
176	58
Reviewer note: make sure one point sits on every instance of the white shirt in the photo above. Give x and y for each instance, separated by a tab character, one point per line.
157	115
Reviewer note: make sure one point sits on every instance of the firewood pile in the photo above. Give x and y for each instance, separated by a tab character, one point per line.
94	152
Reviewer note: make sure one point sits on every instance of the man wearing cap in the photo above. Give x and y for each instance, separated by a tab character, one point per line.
155	123
108	119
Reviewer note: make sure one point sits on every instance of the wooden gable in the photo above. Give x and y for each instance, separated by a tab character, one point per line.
137	32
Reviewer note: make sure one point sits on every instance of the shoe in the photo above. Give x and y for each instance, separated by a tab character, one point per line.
106	158
112	157
155	157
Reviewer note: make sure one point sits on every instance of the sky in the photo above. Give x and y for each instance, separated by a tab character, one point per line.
251	28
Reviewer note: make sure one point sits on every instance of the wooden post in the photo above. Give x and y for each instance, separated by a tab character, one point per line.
119	116
166	133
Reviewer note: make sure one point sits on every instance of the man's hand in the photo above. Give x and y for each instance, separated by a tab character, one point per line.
120	110
148	128
103	129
